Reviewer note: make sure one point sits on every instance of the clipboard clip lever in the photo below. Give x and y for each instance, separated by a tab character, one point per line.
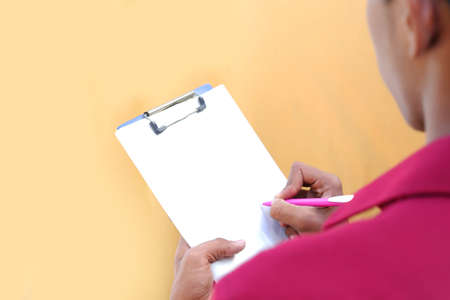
189	96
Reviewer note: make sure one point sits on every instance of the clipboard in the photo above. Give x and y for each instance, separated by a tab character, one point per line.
209	171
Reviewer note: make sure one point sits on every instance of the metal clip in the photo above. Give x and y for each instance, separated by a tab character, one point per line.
159	129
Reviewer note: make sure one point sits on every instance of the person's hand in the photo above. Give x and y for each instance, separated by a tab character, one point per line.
305	182
193	276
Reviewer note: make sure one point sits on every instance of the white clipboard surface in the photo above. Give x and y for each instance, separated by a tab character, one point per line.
210	173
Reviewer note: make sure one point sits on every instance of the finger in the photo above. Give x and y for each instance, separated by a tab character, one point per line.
310	174
322	183
294	184
302	219
180	252
220	248
332	187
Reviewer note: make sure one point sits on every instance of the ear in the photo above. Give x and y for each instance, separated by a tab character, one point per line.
422	24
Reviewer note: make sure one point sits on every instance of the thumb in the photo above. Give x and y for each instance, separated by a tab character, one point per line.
220	248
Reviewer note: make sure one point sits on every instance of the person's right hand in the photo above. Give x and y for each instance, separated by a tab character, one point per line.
302	219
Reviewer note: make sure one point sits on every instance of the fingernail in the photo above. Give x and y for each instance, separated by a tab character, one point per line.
239	244
291	237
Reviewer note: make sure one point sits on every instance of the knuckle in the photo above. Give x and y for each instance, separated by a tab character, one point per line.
336	182
219	240
193	255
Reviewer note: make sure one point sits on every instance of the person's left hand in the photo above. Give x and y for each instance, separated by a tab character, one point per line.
193	276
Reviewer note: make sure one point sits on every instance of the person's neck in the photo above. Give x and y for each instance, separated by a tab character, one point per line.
436	101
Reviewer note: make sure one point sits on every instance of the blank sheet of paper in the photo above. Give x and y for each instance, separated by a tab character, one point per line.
210	173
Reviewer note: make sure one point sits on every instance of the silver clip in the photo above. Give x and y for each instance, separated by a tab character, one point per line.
159	129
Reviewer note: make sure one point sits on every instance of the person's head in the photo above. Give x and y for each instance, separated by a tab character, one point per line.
412	42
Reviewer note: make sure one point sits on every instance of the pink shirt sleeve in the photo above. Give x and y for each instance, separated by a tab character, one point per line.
393	256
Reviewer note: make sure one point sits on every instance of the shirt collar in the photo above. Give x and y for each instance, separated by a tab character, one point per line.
427	172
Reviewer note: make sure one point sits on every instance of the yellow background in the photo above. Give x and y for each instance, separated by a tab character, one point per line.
76	219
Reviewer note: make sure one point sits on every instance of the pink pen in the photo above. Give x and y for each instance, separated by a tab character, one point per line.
318	202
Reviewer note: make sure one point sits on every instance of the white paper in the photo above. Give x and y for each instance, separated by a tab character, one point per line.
210	172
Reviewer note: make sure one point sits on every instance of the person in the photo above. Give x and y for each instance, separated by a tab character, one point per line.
392	241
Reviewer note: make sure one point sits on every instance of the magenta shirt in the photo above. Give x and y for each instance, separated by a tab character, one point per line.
402	253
